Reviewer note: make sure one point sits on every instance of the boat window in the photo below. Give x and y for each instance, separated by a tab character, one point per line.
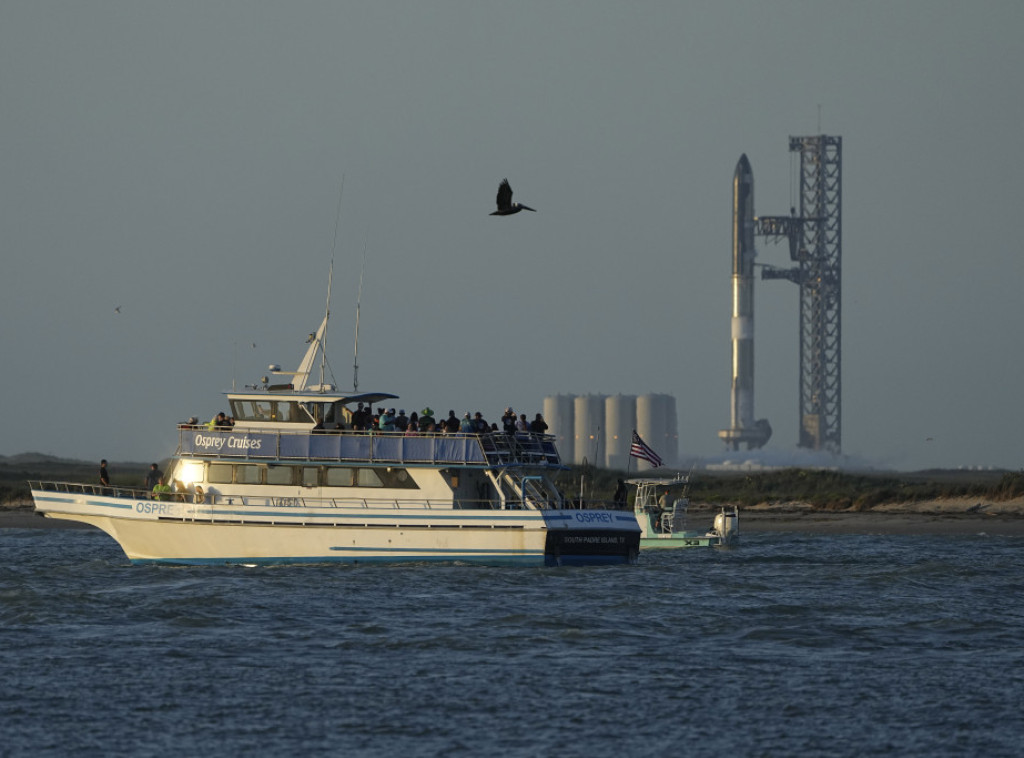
322	412
396	478
187	472
340	477
310	476
219	473
342	414
247	473
316	410
339	414
368	477
290	411
280	474
252	410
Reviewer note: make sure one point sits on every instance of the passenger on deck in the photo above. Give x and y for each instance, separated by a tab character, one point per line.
413	429
480	426
161	490
401	421
153	476
508	421
538	425
221	421
451	424
522	425
104	473
466	425
387	421
427	421
359	418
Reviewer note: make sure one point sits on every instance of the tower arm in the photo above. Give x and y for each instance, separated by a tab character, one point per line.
792	274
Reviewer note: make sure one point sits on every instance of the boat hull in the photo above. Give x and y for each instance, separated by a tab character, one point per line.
652	539
182	533
679	540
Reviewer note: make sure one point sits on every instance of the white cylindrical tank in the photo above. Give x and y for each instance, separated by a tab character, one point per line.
620	419
654	414
589	429
671	432
560	417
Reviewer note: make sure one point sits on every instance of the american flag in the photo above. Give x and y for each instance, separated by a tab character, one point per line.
639	449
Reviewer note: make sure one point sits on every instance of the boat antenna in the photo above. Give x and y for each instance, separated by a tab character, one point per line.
327	316
330	281
359	299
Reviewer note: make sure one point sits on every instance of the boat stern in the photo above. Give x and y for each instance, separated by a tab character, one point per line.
590	537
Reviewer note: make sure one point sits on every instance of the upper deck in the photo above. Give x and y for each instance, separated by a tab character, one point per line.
383	448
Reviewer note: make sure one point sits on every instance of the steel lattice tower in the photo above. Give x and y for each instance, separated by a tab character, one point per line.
814	231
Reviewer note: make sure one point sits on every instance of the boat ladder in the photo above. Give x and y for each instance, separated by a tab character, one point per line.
527	491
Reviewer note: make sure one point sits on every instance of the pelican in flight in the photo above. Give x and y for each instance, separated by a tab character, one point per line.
505	205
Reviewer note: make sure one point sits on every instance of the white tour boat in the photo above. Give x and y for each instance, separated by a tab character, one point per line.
285	485
661	510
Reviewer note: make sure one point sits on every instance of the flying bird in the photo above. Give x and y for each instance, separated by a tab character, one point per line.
505	205
117	309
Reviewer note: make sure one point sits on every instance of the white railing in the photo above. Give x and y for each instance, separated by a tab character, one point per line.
254	443
267	501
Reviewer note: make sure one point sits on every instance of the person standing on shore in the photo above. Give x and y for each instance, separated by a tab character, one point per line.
104	473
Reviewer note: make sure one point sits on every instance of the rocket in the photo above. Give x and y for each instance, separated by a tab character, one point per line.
743	428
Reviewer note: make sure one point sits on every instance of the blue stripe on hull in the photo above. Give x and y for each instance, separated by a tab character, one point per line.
66	500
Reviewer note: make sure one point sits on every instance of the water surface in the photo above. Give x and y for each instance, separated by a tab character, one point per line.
788	644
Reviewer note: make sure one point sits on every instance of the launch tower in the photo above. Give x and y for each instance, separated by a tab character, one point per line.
814	232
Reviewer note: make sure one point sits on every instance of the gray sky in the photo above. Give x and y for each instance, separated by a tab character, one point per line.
183	161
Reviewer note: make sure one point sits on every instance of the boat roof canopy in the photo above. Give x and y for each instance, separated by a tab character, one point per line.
313	397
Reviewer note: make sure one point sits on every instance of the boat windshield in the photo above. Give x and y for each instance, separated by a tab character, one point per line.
270	410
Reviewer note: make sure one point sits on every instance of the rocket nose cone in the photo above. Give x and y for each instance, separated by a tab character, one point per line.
742	166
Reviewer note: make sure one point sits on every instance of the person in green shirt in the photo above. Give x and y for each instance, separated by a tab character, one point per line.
160	490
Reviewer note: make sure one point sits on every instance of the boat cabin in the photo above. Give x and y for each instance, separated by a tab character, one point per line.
298	410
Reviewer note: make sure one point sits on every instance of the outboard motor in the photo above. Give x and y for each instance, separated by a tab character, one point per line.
727	525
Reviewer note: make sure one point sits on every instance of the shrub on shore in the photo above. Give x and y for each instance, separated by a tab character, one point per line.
823	489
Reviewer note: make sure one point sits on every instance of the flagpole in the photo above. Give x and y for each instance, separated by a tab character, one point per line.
629	464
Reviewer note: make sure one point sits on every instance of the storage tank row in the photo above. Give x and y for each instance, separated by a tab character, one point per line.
599	428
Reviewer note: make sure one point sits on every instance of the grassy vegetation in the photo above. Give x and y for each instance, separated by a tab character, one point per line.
826	490
16	472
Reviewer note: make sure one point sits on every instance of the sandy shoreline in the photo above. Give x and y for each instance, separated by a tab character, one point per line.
881	524
948	517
